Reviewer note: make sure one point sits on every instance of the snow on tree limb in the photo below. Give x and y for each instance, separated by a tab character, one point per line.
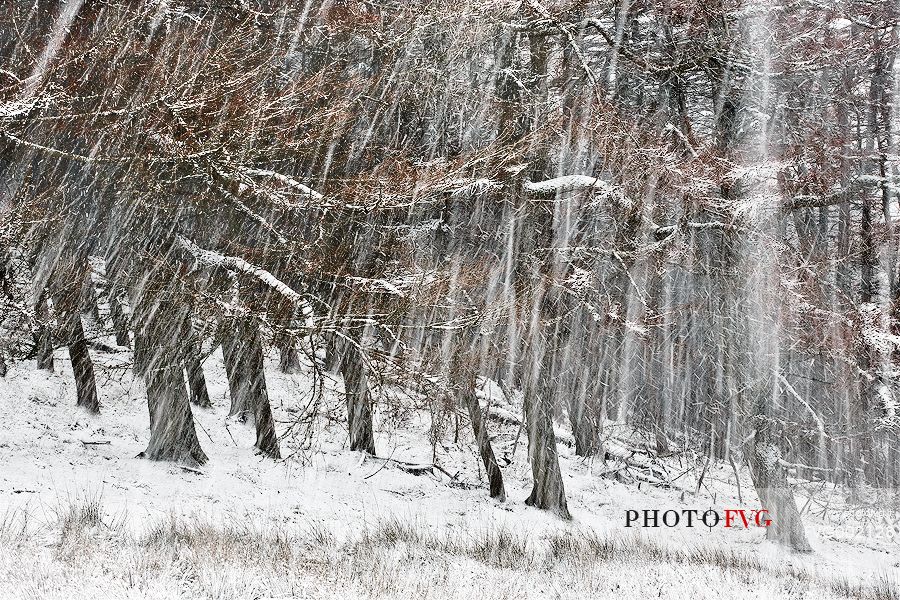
474	187
286	180
50	151
567	183
820	425
665	230
233	263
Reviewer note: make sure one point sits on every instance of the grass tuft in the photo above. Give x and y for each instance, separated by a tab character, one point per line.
392	557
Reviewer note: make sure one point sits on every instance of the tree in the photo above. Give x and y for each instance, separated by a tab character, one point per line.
355	371
243	354
173	436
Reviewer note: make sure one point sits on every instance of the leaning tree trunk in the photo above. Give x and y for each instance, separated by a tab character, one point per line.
243	354
119	318
195	376
43	337
67	300
160	329
774	490
82	366
290	358
359	398
548	492
479	428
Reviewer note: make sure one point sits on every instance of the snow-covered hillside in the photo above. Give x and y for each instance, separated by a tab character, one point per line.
61	465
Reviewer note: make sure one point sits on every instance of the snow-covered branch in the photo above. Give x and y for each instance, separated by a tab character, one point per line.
233	263
568	184
286	180
666	230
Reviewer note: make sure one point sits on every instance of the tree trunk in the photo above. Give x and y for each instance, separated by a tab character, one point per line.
774	490
160	326
82	366
243	354
196	378
119	318
290	358
359	399
332	355
88	299
69	283
172	433
582	421
43	337
548	492
479	428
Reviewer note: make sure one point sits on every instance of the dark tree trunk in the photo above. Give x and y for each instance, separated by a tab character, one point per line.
196	378
585	437
479	428
290	358
774	490
582	421
862	442
119	318
160	326
172	433
332	356
69	283
88	300
43	337
548	492
82	366
359	398
243	354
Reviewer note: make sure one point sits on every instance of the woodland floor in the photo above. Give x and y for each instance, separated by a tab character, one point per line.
84	520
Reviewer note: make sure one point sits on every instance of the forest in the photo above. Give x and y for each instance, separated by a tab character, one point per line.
667	222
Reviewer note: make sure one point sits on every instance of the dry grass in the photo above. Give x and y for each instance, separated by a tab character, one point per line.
15	527
92	555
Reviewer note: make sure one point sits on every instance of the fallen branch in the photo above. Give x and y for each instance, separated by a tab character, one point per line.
411	468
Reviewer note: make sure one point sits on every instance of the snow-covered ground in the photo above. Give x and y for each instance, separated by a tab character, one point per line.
333	506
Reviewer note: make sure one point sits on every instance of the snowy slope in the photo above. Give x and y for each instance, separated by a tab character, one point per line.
47	466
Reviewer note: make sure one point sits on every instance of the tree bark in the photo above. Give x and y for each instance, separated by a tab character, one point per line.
582	421
479	428
159	328
332	355
172	433
119	318
359	398
82	366
774	490
43	336
243	352
196	378
69	282
548	492
290	358
88	298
